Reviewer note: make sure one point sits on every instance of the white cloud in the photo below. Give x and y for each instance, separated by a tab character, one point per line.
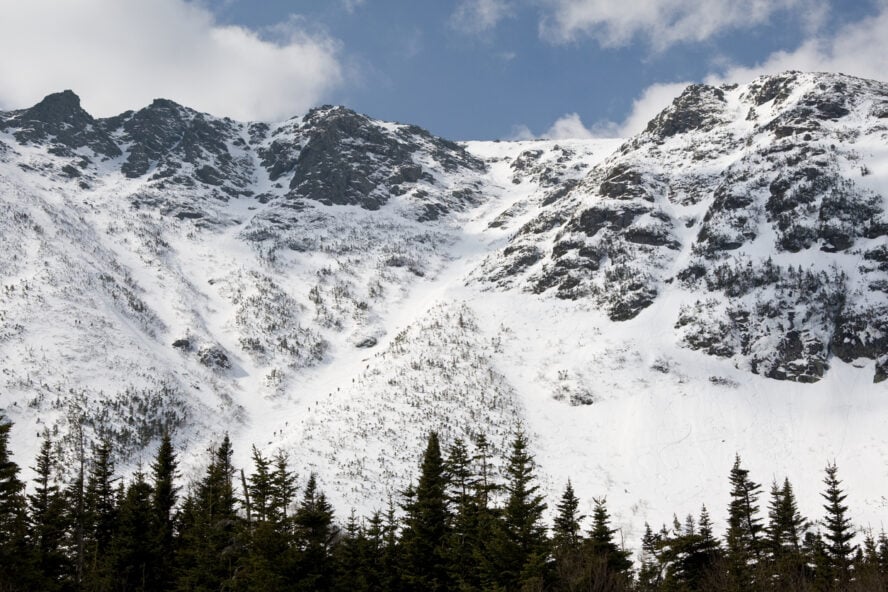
568	127
858	49
478	16
121	54
662	22
654	99
351	5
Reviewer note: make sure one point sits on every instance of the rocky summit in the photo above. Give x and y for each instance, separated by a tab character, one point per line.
336	286
757	203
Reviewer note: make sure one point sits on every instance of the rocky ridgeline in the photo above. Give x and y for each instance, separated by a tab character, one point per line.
756	202
332	155
167	250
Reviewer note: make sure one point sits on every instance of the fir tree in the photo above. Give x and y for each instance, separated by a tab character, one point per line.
315	536
101	516
785	530
839	534
262	567
47	509
283	489
427	525
462	543
349	555
164	495
566	527
600	542
519	543
134	555
209	549
15	564
744	529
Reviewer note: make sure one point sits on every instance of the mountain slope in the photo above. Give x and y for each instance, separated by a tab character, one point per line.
337	286
764	204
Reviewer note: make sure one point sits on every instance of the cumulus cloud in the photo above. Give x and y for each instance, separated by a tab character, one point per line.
121	54
478	16
654	99
858	49
568	127
662	22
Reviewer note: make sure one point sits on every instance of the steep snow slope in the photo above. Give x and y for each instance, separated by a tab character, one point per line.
765	204
337	286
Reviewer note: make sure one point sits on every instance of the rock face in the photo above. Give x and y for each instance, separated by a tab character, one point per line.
755	203
60	121
345	159
172	253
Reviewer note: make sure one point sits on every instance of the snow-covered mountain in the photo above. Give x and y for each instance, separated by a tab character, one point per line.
337	286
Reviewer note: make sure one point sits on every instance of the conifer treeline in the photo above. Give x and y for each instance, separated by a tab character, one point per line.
458	527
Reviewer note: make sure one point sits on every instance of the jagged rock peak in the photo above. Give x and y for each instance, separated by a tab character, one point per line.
61	107
788	166
60	117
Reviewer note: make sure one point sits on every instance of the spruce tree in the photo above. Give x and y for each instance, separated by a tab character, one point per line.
283	488
744	536
268	534
47	515
839	533
133	554
316	534
208	550
649	572
462	543
427	525
15	559
566	527
519	546
600	541
785	530
164	495
349	555
101	516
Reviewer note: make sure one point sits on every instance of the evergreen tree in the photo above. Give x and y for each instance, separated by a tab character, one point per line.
133	554
208	547
462	499
283	489
48	521
101	516
519	545
839	533
785	530
268	532
570	568
566	527
392	552
882	554
15	559
820	576
867	571
744	536
427	525
164	495
351	570
315	536
600	542
649	572
689	556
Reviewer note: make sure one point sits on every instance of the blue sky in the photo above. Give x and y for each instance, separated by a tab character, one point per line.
464	69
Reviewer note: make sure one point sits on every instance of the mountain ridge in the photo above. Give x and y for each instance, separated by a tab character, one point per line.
336	286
